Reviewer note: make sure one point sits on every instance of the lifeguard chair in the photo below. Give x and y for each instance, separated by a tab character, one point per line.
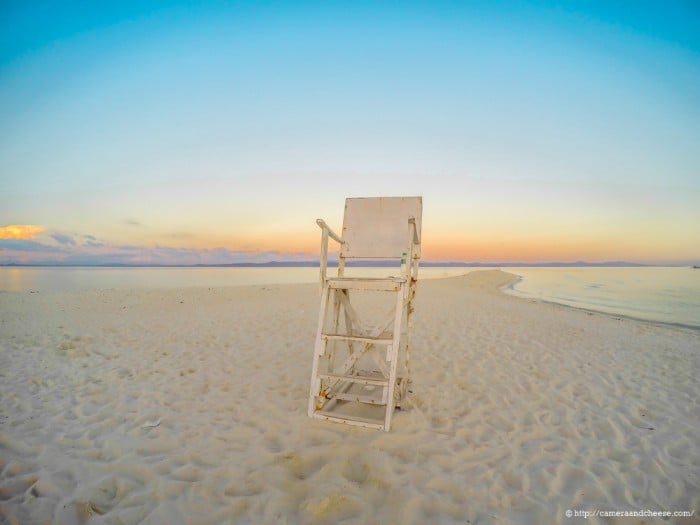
361	363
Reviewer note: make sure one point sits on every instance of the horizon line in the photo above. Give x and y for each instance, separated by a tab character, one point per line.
364	263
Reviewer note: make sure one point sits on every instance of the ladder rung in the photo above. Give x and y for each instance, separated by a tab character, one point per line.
364	380
361	398
380	285
368	422
358	338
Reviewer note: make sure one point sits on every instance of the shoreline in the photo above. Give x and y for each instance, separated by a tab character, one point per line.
151	406
518	295
687	317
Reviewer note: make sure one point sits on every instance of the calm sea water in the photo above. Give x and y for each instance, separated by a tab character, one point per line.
21	279
667	295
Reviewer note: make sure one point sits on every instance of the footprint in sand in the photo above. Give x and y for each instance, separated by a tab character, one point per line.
244	489
301	467
48	487
102	496
16	486
187	473
273	444
332	509
73	348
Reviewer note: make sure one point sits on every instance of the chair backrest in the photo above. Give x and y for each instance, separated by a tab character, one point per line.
377	227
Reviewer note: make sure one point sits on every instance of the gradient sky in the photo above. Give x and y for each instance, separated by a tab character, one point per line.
165	132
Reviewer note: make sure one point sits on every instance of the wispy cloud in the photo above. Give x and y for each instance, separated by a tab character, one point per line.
90	241
74	248
7	246
63	238
131	222
93	244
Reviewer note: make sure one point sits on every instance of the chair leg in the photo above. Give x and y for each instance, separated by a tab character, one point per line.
319	349
349	328
409	331
336	323
393	356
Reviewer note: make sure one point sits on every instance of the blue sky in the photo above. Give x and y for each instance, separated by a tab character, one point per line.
218	132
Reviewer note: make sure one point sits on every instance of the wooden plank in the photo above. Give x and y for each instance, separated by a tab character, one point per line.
362	398
358	339
350	313
319	348
363	380
322	224
389	278
356	283
350	420
375	227
393	363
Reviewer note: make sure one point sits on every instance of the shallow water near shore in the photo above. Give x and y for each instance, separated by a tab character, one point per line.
668	295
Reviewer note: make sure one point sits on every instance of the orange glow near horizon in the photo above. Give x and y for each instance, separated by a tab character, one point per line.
541	247
296	240
486	246
20	231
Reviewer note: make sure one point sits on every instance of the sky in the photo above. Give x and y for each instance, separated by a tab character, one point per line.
217	132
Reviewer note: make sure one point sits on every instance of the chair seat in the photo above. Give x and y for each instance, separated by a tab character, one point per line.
388	284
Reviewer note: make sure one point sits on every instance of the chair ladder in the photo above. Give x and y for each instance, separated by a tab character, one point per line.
328	388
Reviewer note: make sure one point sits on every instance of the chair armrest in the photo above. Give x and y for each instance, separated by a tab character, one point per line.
322	224
416	238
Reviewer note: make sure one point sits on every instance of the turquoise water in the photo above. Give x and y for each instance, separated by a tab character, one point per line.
667	295
663	294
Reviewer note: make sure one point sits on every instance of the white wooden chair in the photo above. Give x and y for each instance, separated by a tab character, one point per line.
361	368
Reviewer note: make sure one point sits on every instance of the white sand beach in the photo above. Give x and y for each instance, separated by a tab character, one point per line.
169	406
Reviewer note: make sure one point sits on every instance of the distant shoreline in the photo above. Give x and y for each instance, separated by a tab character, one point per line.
312	264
